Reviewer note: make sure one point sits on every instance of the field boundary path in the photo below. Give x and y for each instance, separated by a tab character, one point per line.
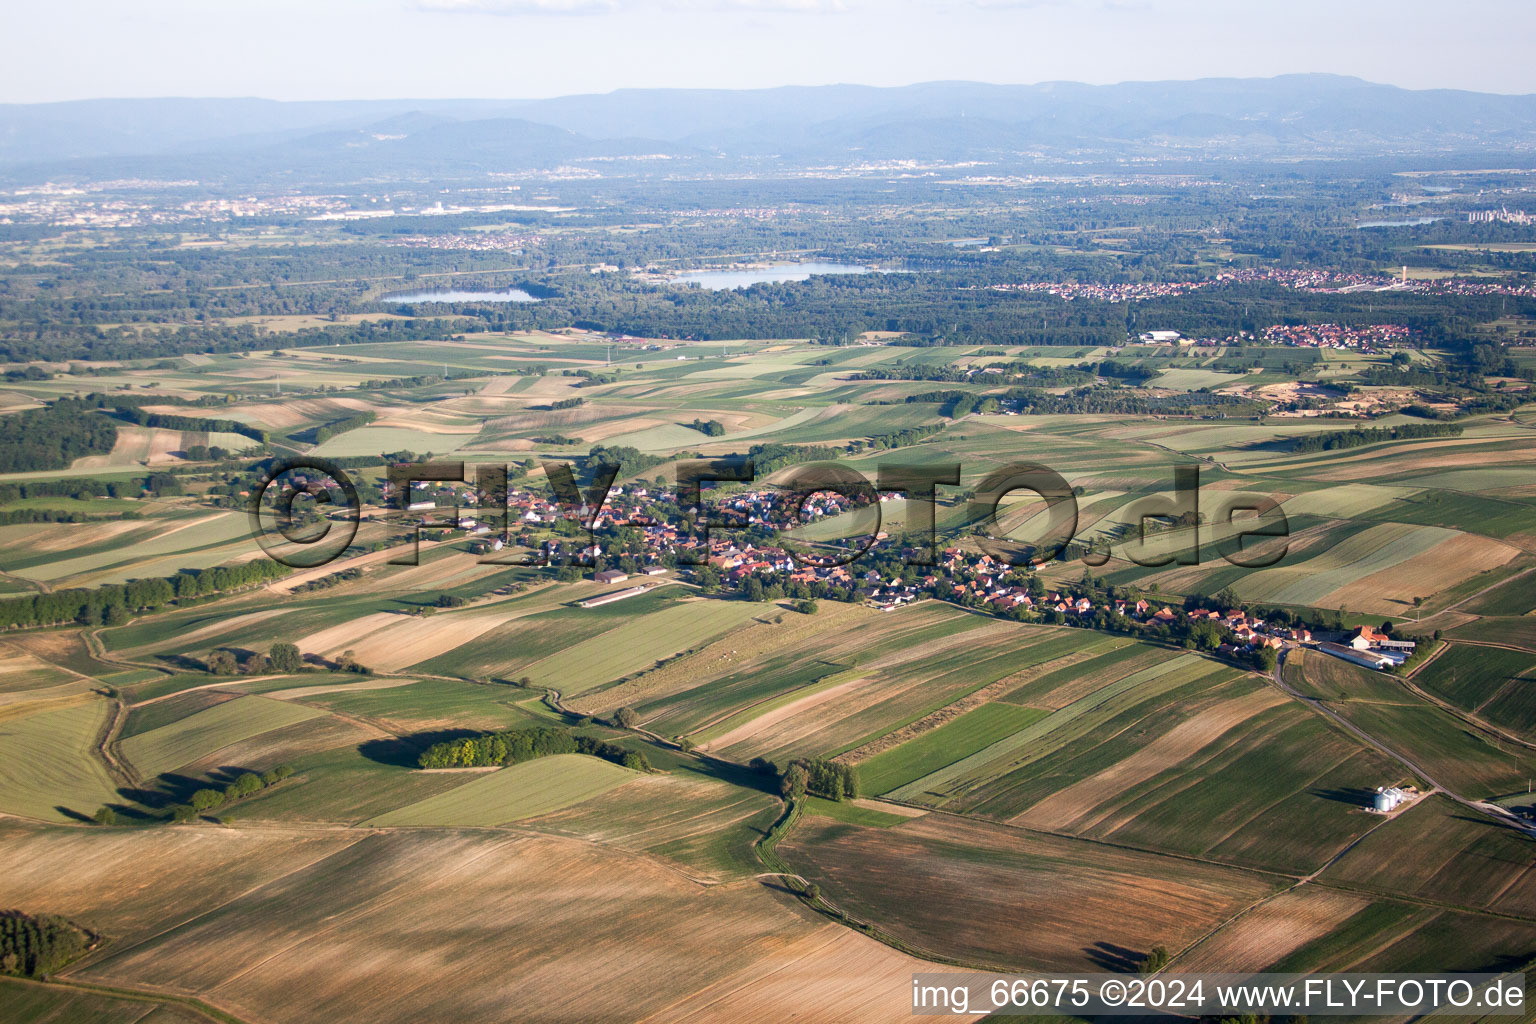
1494	811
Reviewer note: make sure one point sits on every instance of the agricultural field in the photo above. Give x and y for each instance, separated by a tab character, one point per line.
524	900
166	747
1091	907
1031	785
507	794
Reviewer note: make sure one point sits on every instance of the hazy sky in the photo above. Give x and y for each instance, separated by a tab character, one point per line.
345	49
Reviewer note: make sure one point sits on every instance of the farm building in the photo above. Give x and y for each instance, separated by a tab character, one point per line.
611	576
1367	658
1387	799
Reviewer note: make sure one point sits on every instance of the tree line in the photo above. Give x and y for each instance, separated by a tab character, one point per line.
830	780
171	421
112	603
1360	436
326	432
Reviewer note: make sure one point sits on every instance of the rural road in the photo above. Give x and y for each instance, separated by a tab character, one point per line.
1493	810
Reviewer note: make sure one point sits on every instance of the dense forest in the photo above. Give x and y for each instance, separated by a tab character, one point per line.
53	437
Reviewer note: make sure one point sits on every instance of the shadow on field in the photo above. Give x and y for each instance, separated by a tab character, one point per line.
170	788
401	751
1355	796
726	771
1114	958
181	662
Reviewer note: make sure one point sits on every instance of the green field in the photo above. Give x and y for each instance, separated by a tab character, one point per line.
639	644
48	764
953	780
519	791
170	746
943	746
1496	684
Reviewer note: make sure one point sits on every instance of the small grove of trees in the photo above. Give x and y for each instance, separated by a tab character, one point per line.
210	797
829	780
285	658
712	428
31	947
1154	961
516	745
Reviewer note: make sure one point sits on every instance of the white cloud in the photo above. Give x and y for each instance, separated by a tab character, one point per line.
554	7
586	7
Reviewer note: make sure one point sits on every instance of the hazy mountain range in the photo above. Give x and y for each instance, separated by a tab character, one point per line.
1010	126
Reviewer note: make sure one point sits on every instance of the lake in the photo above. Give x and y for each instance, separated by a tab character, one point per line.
720	280
509	295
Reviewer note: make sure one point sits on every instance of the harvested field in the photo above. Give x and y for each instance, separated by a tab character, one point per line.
287	584
769	722
1271	931
707	825
134	883
739	647
1391	591
402	927
1016	899
932	750
1313	580
388	642
22	671
996	759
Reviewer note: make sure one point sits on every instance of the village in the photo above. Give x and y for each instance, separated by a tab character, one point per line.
632	537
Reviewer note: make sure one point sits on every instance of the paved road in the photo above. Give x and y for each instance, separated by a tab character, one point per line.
1491	810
